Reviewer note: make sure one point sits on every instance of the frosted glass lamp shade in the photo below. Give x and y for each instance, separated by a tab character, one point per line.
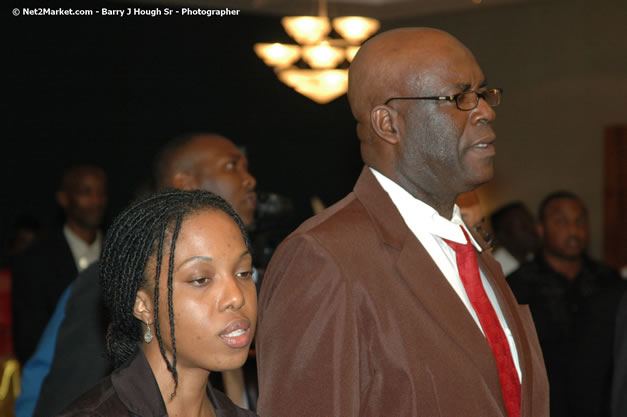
355	29
323	56
321	86
277	54
306	30
351	51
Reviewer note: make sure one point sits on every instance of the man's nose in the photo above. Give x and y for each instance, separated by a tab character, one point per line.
249	181
483	112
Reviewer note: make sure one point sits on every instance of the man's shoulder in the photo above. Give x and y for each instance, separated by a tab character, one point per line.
339	232
342	219
604	276
603	269
528	271
47	249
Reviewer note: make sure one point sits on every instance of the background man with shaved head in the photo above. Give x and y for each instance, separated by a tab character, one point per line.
384	304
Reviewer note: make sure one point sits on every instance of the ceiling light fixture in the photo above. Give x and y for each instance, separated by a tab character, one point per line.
322	80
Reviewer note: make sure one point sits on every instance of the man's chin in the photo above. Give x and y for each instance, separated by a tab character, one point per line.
247	216
569	255
480	178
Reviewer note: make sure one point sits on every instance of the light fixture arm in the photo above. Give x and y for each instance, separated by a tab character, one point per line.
322	8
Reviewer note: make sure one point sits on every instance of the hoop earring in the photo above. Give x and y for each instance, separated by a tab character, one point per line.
148	334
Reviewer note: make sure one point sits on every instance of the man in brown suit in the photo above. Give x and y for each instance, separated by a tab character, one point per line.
363	310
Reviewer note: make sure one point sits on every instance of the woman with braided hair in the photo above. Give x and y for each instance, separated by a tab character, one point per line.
176	274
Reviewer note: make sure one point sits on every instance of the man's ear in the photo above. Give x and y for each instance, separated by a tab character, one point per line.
143	306
184	181
384	123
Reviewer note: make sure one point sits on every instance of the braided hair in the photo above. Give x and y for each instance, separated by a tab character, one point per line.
142	233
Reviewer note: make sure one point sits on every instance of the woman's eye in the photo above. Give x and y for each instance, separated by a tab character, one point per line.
245	274
200	281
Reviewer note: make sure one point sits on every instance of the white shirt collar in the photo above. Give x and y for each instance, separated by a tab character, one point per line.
84	254
419	215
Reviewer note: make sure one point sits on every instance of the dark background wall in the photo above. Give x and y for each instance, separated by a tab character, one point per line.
112	90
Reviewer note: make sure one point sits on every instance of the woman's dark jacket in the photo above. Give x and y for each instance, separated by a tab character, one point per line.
132	391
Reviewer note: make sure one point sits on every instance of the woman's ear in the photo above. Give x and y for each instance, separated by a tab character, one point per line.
143	306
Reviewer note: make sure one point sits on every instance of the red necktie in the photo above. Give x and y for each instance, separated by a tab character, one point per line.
469	273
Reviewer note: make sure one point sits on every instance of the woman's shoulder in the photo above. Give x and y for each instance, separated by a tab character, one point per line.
100	401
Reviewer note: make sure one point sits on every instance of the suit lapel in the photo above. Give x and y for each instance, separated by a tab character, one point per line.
425	280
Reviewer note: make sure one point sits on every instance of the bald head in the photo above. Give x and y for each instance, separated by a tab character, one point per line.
431	147
208	162
182	154
396	63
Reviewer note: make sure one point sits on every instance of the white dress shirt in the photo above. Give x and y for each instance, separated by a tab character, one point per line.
84	254
430	229
507	261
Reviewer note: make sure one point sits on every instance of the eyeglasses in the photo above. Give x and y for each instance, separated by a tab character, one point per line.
466	100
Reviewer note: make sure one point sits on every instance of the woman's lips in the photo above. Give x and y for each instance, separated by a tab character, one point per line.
236	334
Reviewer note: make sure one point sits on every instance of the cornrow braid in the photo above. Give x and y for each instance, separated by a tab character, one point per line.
170	365
141	233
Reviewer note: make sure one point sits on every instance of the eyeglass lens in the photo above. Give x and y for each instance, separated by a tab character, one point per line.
469	100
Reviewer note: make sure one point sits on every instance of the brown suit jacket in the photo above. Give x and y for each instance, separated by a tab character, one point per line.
357	320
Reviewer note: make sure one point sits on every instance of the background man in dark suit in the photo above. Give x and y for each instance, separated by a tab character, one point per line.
363	311
42	273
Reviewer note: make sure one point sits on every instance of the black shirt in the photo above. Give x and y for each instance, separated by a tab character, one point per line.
575	322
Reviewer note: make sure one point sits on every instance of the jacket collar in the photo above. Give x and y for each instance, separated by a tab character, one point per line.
429	286
138	390
137	387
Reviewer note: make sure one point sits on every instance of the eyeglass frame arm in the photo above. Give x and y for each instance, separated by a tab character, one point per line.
452	98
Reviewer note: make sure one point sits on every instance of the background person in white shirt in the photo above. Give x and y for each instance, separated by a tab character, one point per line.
515	234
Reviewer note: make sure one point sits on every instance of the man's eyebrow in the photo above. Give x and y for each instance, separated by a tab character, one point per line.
468	87
232	156
463	86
